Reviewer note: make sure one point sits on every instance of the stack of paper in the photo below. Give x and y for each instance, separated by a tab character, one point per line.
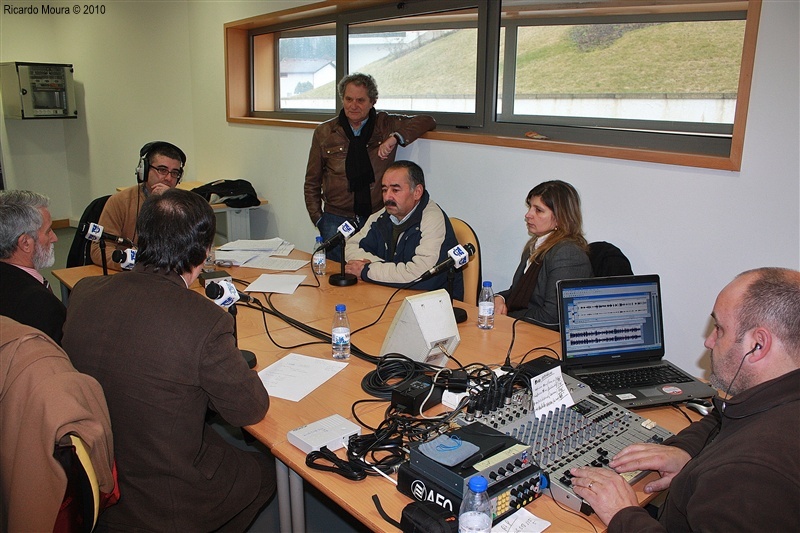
259	254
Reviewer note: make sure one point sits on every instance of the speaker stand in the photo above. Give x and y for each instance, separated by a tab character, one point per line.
103	260
249	357
458	313
342	279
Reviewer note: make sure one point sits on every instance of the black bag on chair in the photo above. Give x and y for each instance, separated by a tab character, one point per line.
233	193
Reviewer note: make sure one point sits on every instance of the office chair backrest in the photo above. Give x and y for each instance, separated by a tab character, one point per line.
79	252
472	270
608	260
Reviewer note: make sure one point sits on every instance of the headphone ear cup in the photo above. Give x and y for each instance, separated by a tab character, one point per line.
140	173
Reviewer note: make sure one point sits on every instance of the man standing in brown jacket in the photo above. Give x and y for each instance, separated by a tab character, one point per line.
349	154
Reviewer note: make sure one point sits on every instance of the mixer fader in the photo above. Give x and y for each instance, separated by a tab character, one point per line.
589	433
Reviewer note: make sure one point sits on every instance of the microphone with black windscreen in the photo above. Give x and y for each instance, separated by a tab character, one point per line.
95	232
126	258
224	293
457	257
346	229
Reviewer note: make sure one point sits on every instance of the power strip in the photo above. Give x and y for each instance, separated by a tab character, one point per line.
331	432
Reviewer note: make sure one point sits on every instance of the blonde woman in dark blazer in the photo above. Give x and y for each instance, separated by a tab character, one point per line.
557	250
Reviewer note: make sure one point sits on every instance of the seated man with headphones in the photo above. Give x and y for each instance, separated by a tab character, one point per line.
160	168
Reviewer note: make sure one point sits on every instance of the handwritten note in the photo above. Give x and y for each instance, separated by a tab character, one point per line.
522	521
295	376
550	391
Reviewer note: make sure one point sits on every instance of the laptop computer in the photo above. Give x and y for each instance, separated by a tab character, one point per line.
612	339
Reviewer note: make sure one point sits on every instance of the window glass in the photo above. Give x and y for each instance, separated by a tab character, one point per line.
678	71
424	63
659	80
306	68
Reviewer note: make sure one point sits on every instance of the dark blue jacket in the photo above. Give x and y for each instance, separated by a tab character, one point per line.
423	245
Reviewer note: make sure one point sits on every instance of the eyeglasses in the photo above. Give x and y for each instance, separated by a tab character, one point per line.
163	171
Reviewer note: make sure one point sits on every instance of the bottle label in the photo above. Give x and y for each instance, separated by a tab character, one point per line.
486	309
340	336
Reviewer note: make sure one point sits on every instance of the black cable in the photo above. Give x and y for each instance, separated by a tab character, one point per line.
681	411
337	465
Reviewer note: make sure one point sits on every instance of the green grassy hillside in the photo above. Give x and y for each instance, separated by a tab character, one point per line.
690	57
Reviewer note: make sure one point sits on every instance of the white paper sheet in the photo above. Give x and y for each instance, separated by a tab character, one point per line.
550	391
275	263
280	283
295	376
237	258
262	245
522	521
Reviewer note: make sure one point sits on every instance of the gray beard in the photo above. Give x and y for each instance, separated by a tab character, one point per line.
44	257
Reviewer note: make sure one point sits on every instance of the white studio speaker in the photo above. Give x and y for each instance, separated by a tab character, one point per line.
422	326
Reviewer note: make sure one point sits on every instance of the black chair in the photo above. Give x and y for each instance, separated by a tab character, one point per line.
608	260
79	251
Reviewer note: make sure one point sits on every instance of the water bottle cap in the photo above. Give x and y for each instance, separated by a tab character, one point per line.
478	484
319	238
487	283
340	308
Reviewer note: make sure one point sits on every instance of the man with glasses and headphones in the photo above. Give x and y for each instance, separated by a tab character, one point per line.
737	469
160	168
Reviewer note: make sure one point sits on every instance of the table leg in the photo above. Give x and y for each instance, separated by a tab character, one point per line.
284	496
64	294
298	502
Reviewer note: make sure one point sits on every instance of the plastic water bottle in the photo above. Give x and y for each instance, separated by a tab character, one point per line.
340	334
475	514
486	306
318	260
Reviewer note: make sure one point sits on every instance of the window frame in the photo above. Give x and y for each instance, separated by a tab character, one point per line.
485	127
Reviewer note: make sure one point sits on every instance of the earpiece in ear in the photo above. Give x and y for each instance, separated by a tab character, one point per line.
757	347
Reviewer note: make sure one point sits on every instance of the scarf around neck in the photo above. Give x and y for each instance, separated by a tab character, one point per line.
358	165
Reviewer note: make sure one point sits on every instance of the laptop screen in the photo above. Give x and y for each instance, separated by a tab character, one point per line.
611	319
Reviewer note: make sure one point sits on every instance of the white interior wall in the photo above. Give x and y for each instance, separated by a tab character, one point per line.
152	70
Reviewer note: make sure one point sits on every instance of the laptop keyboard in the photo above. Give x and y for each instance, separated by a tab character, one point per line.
634	377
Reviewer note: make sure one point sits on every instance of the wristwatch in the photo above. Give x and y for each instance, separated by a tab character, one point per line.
400	140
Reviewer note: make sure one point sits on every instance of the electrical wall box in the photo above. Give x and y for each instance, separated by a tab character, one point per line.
37	90
332	432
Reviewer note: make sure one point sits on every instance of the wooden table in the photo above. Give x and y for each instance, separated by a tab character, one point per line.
314	306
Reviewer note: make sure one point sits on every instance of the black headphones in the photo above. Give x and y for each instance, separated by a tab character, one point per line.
143	168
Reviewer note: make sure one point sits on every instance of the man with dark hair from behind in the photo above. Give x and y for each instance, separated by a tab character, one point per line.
165	355
737	469
27	246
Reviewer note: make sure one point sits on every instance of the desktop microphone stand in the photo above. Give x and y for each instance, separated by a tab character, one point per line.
104	261
249	357
458	313
343	279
